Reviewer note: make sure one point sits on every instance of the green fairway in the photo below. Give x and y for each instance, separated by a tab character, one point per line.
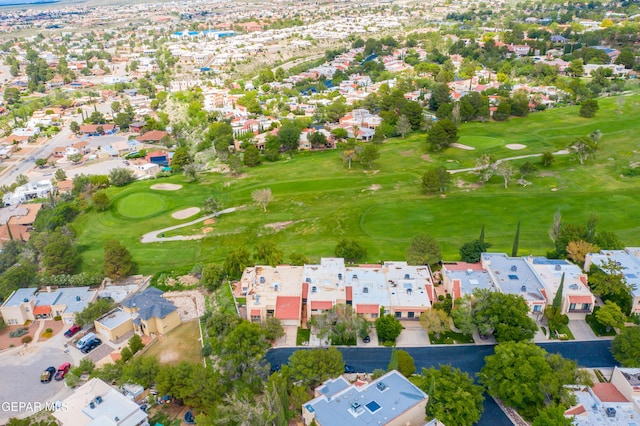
141	205
317	200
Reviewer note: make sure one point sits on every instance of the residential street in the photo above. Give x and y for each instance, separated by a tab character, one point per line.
469	358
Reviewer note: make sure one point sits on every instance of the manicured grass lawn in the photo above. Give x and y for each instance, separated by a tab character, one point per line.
304	334
141	205
384	208
564	329
180	344
449	338
598	329
224	299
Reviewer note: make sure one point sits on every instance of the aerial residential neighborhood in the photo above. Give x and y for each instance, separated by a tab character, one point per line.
319	213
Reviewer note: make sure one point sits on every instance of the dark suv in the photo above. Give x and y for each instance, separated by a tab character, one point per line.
91	346
47	374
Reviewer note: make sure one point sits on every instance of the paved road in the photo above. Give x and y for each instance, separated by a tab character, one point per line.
469	358
21	379
518	157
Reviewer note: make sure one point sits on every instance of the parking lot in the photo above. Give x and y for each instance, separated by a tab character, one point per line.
21	370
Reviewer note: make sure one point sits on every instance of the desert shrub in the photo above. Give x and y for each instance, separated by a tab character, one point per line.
27	339
19	332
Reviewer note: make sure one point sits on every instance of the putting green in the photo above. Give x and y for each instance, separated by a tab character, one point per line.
141	205
482	142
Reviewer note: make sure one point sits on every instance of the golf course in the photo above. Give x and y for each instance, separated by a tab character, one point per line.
318	200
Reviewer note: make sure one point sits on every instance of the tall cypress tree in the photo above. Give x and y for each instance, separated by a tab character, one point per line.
557	301
481	238
516	241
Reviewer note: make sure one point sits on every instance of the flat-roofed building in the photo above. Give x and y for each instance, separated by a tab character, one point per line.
31	304
97	404
512	275
616	402
629	262
400	289
577	299
390	400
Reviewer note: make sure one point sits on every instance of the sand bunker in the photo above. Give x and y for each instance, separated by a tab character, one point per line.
209	221
166	186
183	214
206	230
462	146
515	146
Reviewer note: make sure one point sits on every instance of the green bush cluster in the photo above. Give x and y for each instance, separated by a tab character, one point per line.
19	332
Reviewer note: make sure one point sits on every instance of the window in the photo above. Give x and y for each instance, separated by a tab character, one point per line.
410	314
572	307
537	308
398	314
374	315
586	306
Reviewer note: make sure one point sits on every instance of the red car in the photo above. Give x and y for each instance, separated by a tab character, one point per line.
62	371
72	331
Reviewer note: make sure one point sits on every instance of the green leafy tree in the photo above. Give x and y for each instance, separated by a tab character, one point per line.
454	398
212	276
626	347
436	179
41	162
368	154
610	315
388	328
350	250
583	148
547	159
135	344
235	262
470	252
298	259
589	108
100	200
406	364
181	158
626	58
552	415
503	315
93	311
60	175
121	176
609	283
289	135
435	321
59	255
442	134
267	252
340	324
117	260
423	250
251	156
514	374
314	366
243	348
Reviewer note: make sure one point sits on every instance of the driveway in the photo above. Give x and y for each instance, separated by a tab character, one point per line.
412	335
21	369
581	330
289	338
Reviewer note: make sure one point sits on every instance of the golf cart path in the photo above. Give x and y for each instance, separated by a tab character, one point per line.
152	237
473	169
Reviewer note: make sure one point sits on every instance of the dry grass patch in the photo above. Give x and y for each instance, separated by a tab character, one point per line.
180	344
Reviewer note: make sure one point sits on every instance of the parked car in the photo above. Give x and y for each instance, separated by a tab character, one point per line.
62	371
349	369
72	331
367	339
47	374
91	346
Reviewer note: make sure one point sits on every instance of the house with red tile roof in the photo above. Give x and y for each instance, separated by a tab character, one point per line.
616	402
